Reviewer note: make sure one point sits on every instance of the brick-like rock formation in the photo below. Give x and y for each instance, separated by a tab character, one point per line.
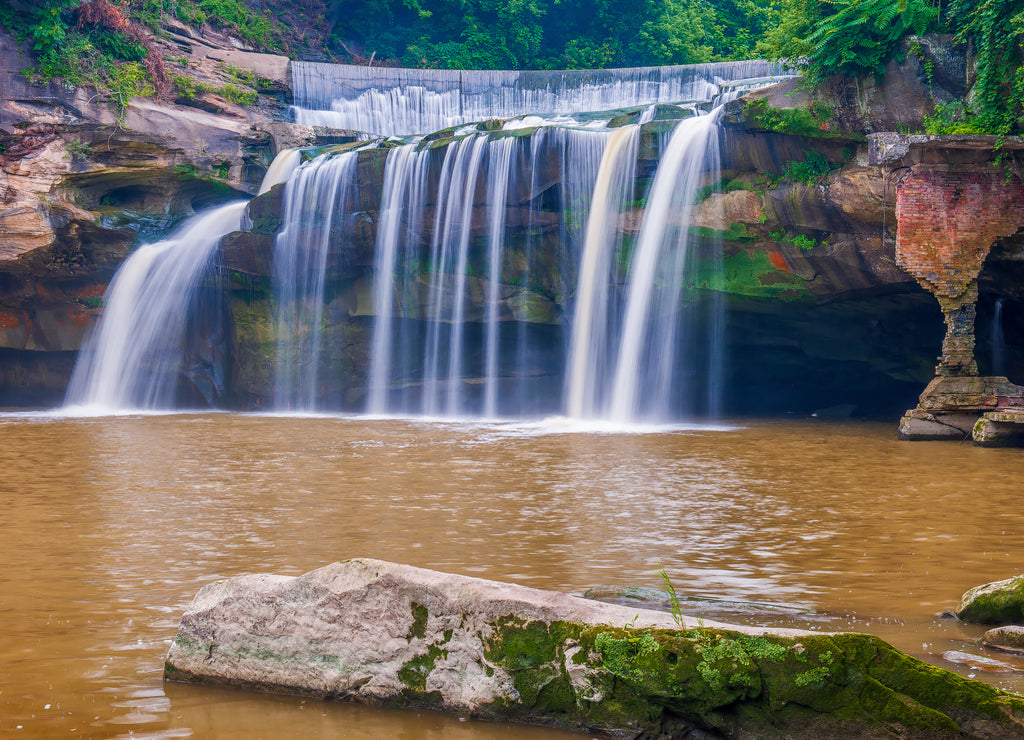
948	217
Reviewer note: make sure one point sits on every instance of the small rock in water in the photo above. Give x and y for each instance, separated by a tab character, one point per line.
1009	638
999	602
980	662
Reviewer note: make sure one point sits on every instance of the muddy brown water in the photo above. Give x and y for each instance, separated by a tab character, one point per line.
109	525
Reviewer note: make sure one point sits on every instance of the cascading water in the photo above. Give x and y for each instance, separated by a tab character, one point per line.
135	357
651	324
508	277
389	101
315	200
454	308
596	314
998	340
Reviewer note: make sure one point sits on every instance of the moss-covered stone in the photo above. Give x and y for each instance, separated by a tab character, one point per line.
999	602
841	685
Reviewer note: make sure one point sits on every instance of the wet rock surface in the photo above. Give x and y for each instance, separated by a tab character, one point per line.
999	602
1009	638
381	632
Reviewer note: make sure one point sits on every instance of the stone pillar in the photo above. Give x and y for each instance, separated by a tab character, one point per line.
958	345
947	218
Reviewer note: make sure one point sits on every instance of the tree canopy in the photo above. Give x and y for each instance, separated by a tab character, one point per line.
550	34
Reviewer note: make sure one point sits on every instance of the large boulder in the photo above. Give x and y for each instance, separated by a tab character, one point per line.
999	602
374	631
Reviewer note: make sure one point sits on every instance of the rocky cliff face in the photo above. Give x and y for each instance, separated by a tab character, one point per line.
821	317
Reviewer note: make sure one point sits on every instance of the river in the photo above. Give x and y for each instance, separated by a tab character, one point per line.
109	525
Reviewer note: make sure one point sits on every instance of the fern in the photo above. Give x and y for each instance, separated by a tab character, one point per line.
860	36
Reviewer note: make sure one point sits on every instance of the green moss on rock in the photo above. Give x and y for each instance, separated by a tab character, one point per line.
999	602
837	686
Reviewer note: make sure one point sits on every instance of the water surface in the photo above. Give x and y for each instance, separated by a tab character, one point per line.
109	525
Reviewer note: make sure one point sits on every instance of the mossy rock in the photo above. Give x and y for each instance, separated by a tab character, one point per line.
999	602
500	651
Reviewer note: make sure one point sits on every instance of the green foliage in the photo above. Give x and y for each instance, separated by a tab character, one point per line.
127	81
188	87
801	241
859	37
849	37
995	31
77	149
811	122
809	170
236	94
673	598
551	34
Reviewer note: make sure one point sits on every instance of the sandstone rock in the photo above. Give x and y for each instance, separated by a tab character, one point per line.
375	631
999	602
920	426
1009	638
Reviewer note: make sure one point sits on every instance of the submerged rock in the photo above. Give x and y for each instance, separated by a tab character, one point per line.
657	599
999	602
369	630
981	662
1009	638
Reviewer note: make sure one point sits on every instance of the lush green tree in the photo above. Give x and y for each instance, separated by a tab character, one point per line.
849	37
994	31
547	34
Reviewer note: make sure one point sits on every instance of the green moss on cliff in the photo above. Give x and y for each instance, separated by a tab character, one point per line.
810	122
750	274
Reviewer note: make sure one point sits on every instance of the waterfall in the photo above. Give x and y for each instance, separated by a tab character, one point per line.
314	208
651	322
998	340
399	229
135	357
544	266
498	175
595	315
389	101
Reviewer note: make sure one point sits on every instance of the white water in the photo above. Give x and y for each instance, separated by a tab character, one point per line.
134	358
390	101
399	227
314	198
449	256
500	282
281	169
498	175
651	322
998	340
595	313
